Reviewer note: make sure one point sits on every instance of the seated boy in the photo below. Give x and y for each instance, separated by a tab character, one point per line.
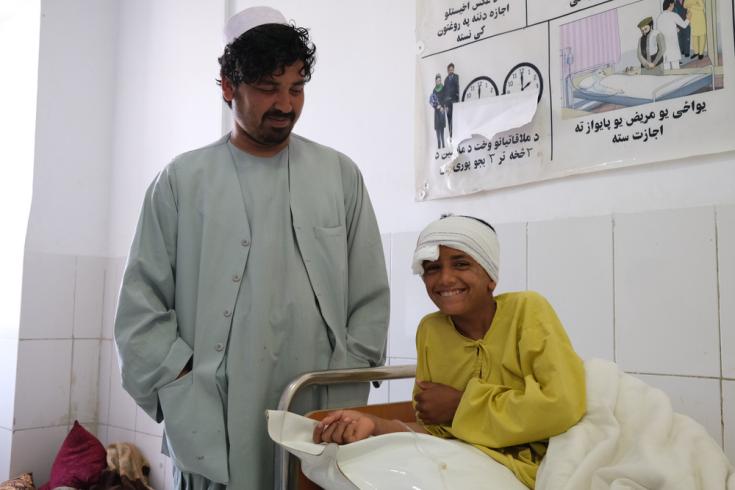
496	372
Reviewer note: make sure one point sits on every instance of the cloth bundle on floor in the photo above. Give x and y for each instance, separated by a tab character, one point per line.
127	469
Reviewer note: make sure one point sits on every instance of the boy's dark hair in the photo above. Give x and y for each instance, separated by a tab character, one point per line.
447	215
667	4
267	50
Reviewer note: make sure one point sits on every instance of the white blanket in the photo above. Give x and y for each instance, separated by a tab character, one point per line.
631	438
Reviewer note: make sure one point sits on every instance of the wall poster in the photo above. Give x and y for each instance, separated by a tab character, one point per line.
516	91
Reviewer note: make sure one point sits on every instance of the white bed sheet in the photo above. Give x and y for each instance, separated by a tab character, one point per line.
637	86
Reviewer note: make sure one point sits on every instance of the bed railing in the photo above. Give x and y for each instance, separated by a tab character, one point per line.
325	378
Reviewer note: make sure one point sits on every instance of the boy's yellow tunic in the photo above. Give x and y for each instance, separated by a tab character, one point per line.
522	382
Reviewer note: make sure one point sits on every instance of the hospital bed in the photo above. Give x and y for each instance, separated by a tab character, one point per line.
401	411
600	85
629	434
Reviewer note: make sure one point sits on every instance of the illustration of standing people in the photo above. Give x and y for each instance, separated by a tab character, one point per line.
436	100
699	27
685	35
668	24
451	94
651	46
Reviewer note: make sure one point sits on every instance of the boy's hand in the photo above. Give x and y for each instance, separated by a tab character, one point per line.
343	427
436	403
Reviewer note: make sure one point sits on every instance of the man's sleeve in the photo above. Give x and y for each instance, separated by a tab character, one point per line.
640	54
150	351
554	397
661	44
423	374
368	295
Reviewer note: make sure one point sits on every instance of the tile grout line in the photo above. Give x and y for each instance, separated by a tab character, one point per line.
390	288
525	238
669	375
109	360
73	325
614	306
719	325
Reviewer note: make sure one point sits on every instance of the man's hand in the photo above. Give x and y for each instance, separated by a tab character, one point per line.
436	403
343	427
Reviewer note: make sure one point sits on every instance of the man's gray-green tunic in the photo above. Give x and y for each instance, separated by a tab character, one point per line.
259	269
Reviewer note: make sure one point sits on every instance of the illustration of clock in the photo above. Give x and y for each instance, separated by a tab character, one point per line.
524	76
480	87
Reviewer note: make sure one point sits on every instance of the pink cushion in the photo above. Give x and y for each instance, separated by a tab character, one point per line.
79	462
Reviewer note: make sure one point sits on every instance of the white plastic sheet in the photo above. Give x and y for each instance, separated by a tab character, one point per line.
388	462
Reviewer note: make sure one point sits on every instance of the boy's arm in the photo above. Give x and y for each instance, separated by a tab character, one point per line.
552	401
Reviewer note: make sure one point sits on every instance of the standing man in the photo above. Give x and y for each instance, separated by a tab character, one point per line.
651	46
256	259
685	35
451	94
698	21
668	23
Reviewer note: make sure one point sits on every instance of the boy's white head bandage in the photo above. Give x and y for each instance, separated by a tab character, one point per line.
243	21
469	235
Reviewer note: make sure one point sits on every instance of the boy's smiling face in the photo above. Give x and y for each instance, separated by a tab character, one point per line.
457	284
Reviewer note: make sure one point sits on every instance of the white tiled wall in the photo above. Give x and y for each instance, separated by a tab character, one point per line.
728	410
6	440
47	307
43	383
726	269
84	380
513	273
66	363
34	451
88	294
570	263
666	292
8	362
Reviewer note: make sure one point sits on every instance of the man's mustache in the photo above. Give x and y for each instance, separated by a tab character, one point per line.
280	115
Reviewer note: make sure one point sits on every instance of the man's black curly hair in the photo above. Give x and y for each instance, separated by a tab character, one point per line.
267	50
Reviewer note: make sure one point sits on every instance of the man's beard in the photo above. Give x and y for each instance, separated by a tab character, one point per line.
273	136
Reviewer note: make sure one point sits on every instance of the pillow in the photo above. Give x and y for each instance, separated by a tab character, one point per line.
79	462
23	482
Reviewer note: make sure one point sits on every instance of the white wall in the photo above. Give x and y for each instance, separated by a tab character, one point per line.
166	100
361	101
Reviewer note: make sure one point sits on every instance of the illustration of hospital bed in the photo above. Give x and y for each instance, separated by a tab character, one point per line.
600	85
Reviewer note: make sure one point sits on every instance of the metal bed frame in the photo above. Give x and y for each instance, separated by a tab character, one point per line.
324	378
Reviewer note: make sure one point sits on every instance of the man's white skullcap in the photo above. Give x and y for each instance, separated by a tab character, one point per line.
469	235
251	17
